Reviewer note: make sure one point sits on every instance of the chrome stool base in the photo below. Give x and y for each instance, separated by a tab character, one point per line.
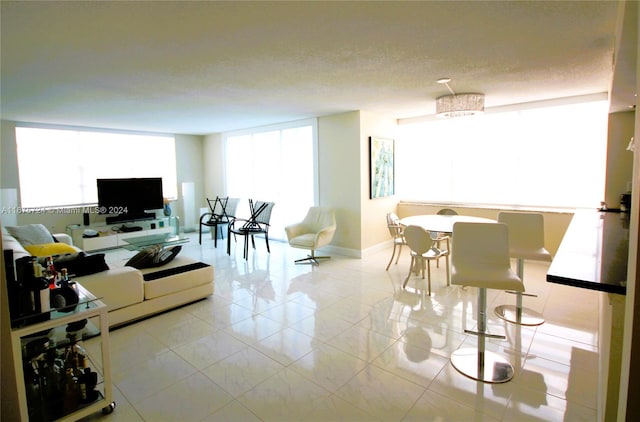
482	366
522	316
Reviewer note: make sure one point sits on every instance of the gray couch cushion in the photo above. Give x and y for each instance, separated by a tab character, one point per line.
31	234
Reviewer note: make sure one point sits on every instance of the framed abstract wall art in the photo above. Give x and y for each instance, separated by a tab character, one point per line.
381	165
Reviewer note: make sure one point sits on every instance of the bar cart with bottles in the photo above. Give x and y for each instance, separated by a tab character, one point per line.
61	360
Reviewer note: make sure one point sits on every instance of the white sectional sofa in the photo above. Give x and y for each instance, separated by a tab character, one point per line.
131	294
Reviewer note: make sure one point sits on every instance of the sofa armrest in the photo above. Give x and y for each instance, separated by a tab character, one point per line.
63	238
117	287
297	229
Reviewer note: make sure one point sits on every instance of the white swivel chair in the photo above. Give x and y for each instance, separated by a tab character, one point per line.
526	241
313	232
423	252
396	231
480	258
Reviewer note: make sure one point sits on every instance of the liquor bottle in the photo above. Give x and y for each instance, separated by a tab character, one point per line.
71	394
90	379
64	278
52	274
82	384
87	382
41	287
24	293
75	355
54	374
35	399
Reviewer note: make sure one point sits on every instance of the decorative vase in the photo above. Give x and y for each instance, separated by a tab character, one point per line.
167	210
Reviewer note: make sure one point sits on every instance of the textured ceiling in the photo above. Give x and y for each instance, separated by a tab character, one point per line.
206	67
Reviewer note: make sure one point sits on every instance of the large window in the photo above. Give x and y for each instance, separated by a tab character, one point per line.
276	164
59	168
552	157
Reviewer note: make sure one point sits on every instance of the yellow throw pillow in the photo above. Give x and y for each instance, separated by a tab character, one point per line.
48	249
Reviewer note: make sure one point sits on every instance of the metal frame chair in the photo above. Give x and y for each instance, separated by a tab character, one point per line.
443	237
256	224
423	251
222	211
396	232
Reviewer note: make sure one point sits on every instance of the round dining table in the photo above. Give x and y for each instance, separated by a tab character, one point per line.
441	223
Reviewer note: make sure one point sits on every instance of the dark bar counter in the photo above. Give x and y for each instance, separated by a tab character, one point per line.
593	253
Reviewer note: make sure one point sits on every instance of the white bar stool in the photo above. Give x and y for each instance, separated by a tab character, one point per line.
480	258
526	241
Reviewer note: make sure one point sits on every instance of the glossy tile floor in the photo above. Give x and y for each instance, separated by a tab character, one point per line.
342	342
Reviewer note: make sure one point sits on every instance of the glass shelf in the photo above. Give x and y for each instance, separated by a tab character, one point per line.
166	239
86	301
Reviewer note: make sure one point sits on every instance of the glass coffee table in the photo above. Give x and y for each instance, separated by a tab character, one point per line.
164	239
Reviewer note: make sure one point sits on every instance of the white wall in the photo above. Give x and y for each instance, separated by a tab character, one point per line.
629	403
189	168
214	166
8	155
339	171
619	160
373	211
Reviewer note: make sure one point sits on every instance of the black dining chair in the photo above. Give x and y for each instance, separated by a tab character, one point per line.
257	224
221	212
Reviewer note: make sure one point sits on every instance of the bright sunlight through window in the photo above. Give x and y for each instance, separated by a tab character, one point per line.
59	168
551	157
275	164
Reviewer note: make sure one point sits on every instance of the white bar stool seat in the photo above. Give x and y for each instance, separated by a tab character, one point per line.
526	241
480	258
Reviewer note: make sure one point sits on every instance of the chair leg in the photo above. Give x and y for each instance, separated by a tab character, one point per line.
406	280
392	255
429	275
478	363
518	314
200	235
448	270
266	238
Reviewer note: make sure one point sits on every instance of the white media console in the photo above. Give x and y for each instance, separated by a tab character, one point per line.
112	236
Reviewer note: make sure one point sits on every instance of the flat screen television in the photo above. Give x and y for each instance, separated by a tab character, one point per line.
129	199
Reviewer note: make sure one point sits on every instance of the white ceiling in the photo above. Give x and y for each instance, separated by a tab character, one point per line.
206	67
